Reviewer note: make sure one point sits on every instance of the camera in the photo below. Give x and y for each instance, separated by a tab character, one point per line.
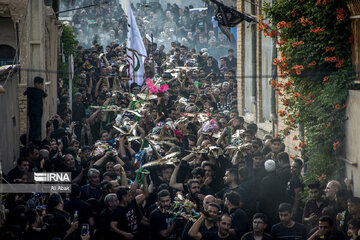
84	229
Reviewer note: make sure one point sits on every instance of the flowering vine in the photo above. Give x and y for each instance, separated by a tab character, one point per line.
314	42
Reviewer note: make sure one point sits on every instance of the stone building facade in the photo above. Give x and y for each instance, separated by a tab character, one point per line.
31	32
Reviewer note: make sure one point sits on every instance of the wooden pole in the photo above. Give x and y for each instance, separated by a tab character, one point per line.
133	65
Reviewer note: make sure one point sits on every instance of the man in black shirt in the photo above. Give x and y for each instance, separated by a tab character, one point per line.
209	225
63	226
231	181
162	225
259	225
83	208
78	114
93	188
288	229
224	224
35	97
126	217
111	201
231	60
325	231
240	220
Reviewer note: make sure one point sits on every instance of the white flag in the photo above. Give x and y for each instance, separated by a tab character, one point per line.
136	52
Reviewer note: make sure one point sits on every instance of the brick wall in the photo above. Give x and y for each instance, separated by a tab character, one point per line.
240	60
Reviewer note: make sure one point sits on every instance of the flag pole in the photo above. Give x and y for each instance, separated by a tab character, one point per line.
133	65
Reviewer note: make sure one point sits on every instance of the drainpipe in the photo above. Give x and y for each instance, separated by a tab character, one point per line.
273	99
253	62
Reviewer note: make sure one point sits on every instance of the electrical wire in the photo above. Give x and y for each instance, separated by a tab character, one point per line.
313	74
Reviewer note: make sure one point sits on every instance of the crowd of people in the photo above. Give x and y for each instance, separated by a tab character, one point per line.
170	159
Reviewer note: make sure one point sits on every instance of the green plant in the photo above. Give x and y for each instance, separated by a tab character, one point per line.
69	47
314	39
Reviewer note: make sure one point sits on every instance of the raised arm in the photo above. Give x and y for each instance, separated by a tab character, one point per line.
194	230
173	183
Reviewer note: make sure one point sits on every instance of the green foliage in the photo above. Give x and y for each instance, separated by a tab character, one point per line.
68	40
69	45
313	38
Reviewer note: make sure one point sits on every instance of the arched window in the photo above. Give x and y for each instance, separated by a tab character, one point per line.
7	55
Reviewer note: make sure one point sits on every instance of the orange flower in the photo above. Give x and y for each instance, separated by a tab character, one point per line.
297	114
339	63
340	14
282	42
285	102
317	30
310	65
325	2
318	2
330	59
329	49
297	95
272	83
322	177
297	43
282	113
307	103
272	33
276	136
296	148
291	156
295	138
335	145
337	106
328	125
276	61
305	22
302	144
325	80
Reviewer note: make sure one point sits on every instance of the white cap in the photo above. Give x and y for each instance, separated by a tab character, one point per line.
270	165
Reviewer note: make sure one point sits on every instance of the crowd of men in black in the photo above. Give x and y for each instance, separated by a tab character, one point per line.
241	186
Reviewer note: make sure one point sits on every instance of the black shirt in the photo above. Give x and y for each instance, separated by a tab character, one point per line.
296	232
78	112
215	236
127	218
222	193
104	224
89	192
160	221
240	221
250	236
35	100
84	210
60	220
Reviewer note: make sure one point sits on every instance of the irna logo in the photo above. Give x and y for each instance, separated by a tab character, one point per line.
52	177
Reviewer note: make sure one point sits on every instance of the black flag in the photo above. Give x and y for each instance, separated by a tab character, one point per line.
229	17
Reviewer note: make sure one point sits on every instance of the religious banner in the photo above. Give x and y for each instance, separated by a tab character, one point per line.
135	50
